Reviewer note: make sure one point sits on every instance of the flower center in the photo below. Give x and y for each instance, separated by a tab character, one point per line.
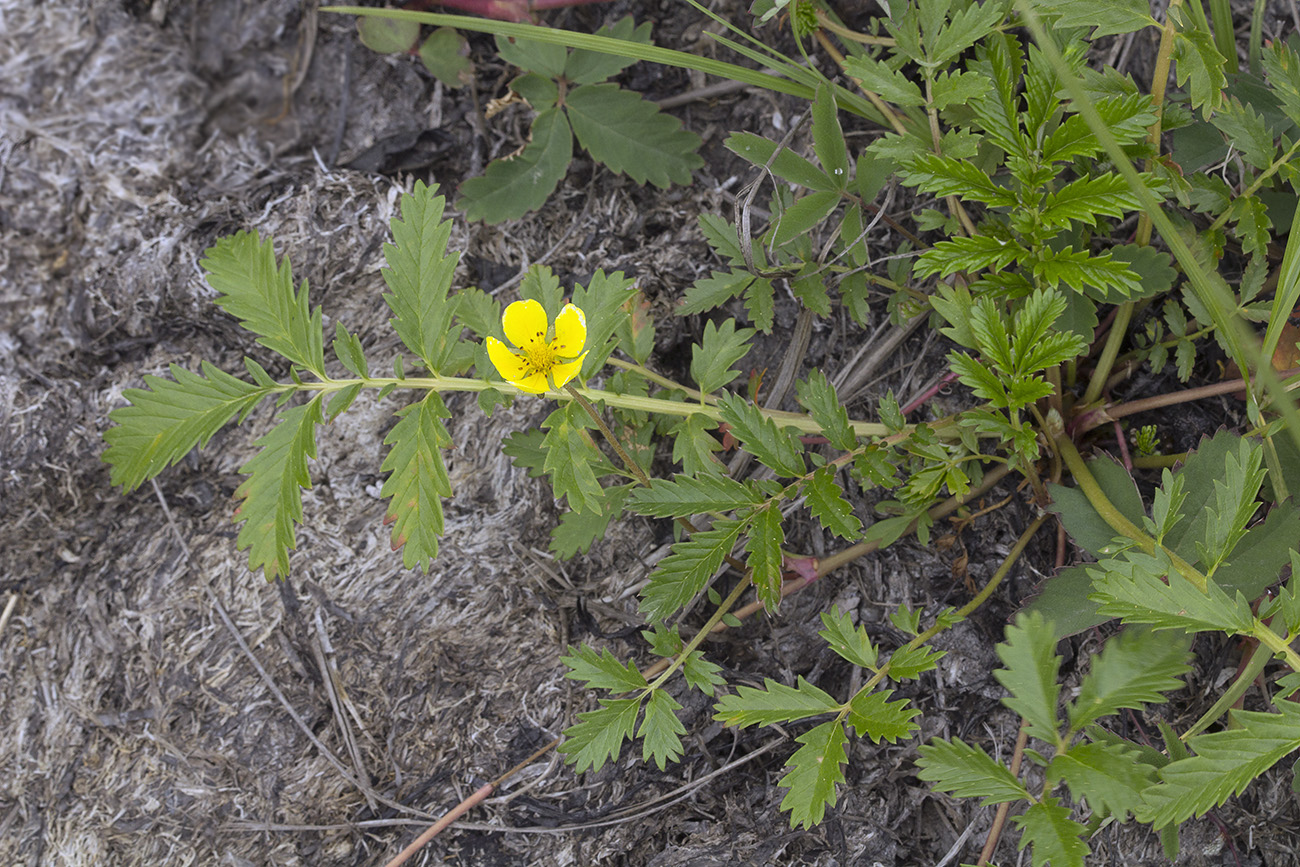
541	358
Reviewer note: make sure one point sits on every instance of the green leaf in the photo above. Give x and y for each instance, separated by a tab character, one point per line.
588	67
514	186
1137	667
387	36
661	731
1109	776
599	734
1029	654
1111	18
347	348
1224	764
693	445
782	162
1085	199
1247	132
889	84
968	254
1282	65
776	448
418	277
713	356
1134	589
636	329
765	560
444	55
602	670
828	137
419	480
1063	601
775	703
874	715
341	400
578	531
602	301
1251	224
272	493
1001	61
249	286
852	644
968	772
569	453
826	501
631	136
168	419
802	216
544	57
964	27
760	305
687	495
702	674
815	769
1110	279
1057	839
713	291
1199	63
683	573
944	176
910	663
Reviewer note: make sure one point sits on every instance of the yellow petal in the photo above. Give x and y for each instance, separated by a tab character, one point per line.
566	370
525	324
511	367
570	332
534	383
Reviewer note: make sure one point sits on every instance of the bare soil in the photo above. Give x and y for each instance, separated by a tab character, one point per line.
159	704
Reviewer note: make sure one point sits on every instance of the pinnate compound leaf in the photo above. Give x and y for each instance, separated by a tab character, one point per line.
1057	839
1134	590
774	447
1248	132
1224	764
1137	667
891	85
168	419
569	454
815	769
693	445
874	715
909	663
775	703
602	670
765	559
717	351
514	186
818	395
828	506
852	644
968	254
1251	224
661	731
687	495
944	176
1085	199
1282	66
1110	280
419	480
631	136
1110	776
685	571
967	771
1110	18
1029	654
599	734
272	493
418	275
260	295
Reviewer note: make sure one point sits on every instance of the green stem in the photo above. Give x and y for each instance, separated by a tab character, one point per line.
1257	183
799	422
1159	83
1112	516
1109	352
1253	667
632	466
704	632
1276	643
659	379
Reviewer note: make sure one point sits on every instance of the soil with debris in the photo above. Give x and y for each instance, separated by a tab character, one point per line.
159	704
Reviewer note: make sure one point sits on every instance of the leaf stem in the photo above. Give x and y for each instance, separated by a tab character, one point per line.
1106	363
703	633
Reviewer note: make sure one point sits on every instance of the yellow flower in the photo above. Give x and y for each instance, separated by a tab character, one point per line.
539	364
